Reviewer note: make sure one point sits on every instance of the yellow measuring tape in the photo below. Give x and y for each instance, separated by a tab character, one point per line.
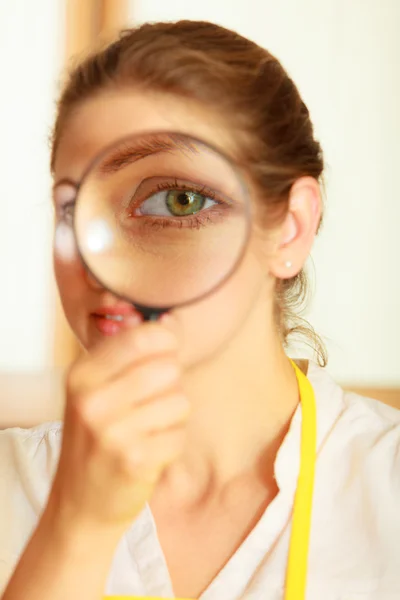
296	571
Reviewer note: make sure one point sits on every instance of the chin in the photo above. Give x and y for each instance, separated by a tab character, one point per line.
208	330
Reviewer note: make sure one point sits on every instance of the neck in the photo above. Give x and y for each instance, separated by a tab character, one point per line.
242	404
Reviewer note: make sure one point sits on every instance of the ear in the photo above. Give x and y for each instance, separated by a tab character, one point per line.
298	231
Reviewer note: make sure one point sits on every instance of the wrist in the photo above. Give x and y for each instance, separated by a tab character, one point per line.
78	536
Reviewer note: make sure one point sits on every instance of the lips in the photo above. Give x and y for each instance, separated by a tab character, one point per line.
109	320
114	317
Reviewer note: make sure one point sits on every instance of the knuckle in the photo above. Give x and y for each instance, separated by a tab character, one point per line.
83	408
174	444
158	374
174	409
152	338
125	457
110	448
132	461
84	404
168	370
140	340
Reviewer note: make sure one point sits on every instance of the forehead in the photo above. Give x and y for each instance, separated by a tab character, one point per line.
102	120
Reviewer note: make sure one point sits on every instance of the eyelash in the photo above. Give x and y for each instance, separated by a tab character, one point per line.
192	221
201	219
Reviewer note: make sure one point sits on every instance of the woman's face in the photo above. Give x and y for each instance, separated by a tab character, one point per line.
213	321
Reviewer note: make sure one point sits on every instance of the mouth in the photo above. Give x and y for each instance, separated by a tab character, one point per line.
112	317
110	320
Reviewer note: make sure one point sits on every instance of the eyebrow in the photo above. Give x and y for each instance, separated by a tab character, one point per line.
132	151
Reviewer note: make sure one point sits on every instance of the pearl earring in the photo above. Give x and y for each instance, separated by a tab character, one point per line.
288	264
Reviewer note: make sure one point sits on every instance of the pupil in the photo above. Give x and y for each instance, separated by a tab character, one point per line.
183	199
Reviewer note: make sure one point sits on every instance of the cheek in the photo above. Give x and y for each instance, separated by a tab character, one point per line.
71	282
207	326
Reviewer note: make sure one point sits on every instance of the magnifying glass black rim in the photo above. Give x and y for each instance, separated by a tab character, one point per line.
152	312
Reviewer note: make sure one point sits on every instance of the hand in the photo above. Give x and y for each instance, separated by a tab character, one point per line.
124	423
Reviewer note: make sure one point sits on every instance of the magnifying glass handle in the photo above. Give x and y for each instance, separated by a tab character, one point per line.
150	314
151	317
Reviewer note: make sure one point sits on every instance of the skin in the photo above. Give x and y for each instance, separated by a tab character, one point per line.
146	408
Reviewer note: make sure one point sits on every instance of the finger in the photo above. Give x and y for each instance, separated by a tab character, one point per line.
154	416
119	353
117	399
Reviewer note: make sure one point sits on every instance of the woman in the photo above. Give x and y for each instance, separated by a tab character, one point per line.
147	497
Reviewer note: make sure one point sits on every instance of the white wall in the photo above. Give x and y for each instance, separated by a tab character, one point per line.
30	58
345	57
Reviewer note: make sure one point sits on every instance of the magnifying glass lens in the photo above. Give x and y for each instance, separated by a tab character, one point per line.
161	219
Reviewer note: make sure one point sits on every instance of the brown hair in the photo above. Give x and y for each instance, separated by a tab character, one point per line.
247	85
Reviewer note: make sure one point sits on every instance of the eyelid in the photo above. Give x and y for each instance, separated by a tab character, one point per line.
174	183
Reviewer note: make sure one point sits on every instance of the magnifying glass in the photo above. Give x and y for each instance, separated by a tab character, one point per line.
161	220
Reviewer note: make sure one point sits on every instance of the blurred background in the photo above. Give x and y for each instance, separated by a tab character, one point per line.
344	57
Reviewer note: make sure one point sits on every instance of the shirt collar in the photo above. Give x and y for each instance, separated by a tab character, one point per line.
329	405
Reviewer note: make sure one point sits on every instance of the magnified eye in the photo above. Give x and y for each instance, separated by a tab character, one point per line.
178	203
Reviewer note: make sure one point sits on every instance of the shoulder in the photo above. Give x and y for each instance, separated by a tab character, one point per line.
367	417
28	460
357	487
36	448
359	441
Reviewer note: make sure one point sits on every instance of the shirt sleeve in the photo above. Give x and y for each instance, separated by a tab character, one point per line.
28	460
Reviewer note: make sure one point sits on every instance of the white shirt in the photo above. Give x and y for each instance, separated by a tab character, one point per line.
355	537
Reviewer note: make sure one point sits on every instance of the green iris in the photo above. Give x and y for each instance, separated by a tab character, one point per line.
181	203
